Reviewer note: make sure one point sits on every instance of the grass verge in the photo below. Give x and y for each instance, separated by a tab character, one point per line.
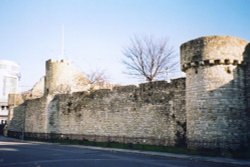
240	154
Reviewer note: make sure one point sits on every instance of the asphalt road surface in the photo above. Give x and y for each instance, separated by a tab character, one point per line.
14	153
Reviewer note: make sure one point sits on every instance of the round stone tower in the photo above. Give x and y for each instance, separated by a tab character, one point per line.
58	77
63	77
215	98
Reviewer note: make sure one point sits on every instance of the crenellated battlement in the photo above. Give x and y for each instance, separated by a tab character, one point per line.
57	61
212	50
196	64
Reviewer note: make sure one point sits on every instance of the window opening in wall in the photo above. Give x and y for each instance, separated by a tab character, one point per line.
227	61
217	62
228	70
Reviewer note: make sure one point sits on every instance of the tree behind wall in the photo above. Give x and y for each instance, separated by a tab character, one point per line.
149	58
98	80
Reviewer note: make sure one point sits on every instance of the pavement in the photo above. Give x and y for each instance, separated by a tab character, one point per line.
196	158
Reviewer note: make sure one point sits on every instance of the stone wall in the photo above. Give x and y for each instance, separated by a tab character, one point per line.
153	113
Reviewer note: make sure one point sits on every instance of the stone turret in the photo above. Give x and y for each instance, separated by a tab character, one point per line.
62	77
215	92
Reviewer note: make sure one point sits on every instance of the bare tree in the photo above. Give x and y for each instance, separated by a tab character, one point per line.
97	77
149	58
98	80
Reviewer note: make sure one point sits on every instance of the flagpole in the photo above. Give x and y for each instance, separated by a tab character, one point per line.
62	47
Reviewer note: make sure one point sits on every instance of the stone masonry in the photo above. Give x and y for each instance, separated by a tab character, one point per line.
207	109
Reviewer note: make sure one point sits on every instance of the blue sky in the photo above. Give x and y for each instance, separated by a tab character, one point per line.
96	31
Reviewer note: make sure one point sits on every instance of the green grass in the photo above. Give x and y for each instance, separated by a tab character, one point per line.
168	149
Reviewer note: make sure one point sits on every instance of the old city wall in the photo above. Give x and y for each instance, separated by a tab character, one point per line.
153	113
207	110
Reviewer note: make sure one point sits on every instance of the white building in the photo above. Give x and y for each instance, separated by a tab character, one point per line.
9	78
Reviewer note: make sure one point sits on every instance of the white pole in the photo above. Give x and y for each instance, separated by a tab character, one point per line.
62	51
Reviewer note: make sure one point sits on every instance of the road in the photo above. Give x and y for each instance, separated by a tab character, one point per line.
14	153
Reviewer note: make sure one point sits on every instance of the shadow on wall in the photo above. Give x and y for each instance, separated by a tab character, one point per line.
247	75
17	123
247	91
